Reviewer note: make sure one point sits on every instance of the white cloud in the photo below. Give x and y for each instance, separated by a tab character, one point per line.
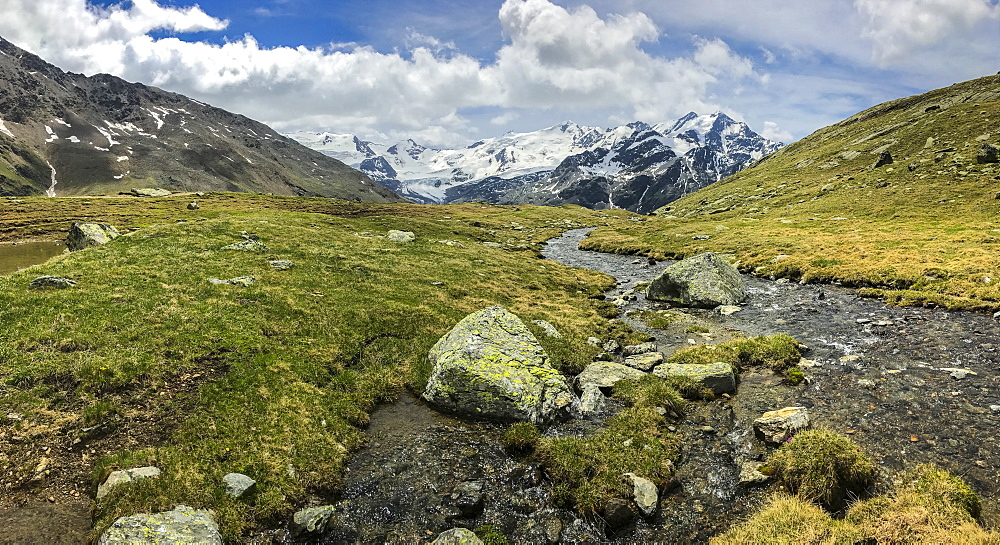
772	131
504	119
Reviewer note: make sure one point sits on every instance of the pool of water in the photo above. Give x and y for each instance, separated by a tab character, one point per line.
17	256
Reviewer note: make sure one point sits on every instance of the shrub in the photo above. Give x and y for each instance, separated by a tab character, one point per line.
822	467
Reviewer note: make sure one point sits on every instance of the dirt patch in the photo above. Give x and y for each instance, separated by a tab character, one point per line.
45	524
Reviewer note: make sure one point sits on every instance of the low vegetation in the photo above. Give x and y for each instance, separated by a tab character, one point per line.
779	353
822	467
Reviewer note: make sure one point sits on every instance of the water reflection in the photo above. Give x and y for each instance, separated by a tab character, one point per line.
14	257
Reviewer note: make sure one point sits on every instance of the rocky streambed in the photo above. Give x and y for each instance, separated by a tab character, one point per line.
909	385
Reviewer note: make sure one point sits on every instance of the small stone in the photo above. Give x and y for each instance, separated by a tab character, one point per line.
729	310
718	376
611	346
750	473
126	476
850	358
636	349
239	485
193	206
958	374
594	341
644	362
458	536
547	328
468	497
57	282
591	400
242	281
644	493
618	513
778	426
401	236
280	264
311	520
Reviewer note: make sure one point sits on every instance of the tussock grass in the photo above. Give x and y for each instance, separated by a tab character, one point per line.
651	391
778	353
822	467
146	362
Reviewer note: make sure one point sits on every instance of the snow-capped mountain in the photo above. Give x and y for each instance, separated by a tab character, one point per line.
636	166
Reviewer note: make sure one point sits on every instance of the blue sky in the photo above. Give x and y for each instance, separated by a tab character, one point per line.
448	72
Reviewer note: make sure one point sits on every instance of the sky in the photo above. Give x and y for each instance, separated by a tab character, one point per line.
449	72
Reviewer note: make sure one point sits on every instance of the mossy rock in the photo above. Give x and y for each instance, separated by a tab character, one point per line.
702	281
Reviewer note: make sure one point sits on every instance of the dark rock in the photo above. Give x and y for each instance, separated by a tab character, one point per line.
618	513
884	158
468	497
193	206
988	153
47	281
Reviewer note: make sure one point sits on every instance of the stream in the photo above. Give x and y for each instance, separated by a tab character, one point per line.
910	385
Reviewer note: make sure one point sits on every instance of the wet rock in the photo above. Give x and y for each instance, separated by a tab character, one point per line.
193	206
644	362
958	374
580	531
47	281
644	493
242	281
780	425
458	536
702	281
238	485
280	264
988	153
490	365
718	377
591	400
750	473
126	476
636	349
618	513
468	498
604	375
311	520
85	235
183	525
884	158
150	192
401	236
549	329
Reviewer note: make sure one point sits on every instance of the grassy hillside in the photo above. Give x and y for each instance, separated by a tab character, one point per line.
923	229
146	362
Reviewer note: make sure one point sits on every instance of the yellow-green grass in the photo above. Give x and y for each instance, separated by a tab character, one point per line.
818	211
146	362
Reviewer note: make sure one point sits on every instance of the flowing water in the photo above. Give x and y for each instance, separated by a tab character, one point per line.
17	256
909	385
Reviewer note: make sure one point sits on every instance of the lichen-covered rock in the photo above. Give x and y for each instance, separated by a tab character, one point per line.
702	281
242	281
150	192
591	400
250	243
641	348
126	476
238	485
490	365
988	153
604	375
401	236
84	235
48	281
182	526
281	264
311	520
458	536
777	426
644	493
718	377
644	362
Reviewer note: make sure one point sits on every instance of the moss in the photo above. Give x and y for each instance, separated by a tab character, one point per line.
776	352
697	329
521	437
795	376
491	535
650	391
823	467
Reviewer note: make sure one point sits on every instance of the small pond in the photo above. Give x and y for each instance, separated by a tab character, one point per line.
16	256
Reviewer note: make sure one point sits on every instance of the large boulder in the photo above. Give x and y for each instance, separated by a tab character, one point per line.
988	153
604	375
84	235
490	365
150	192
183	525
702	281
718	377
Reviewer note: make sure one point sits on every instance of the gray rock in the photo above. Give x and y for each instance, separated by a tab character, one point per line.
458	536
250	243
618	513
242	281
778	426
126	476
468	497
611	346
490	365
644	362
591	400
718	376
988	153
182	526
594	341
549	329
281	264
150	192
311	520
884	158
239	485
750	473
604	375
401	236
84	235
193	206
703	281
644	493
636	349
48	281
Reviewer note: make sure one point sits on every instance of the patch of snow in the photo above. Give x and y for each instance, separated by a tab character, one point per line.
74	139
99	148
120	176
52	135
156	116
61	122
107	134
5	130
122	158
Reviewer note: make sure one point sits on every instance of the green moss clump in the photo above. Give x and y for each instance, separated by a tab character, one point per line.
650	391
822	467
587	472
795	376
776	352
522	436
491	535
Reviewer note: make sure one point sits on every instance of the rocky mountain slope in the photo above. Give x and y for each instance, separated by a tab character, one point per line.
68	134
637	167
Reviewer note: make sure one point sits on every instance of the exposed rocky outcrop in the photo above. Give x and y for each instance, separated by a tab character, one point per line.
702	281
490	365
85	235
47	281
